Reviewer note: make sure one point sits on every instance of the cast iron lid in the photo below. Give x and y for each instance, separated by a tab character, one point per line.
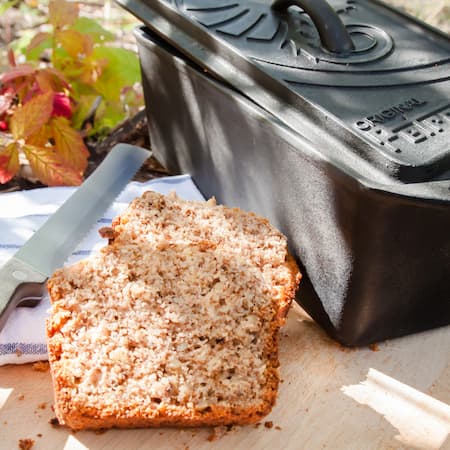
366	70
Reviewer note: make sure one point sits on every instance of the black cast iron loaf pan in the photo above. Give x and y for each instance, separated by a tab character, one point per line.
333	122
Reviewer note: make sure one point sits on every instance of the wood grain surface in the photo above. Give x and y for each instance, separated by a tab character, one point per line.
391	396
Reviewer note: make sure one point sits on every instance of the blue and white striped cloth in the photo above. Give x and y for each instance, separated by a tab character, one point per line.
23	340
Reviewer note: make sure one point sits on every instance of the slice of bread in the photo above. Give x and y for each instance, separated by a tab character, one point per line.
175	322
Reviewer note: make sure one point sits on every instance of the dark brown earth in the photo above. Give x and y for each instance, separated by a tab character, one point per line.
133	131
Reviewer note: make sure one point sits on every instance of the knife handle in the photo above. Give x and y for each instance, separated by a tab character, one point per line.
19	284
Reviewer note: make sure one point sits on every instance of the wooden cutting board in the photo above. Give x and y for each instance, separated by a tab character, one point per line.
391	396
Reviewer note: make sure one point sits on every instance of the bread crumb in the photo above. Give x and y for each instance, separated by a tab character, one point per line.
374	347
21	397
54	422
42	405
26	444
39	435
19	352
217	433
107	233
342	347
257	425
41	366
268	424
277	427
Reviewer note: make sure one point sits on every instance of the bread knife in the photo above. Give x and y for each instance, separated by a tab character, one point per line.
23	277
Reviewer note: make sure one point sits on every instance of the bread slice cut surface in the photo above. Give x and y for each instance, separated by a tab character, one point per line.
175	322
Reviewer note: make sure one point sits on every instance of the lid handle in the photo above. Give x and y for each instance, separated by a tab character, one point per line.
333	34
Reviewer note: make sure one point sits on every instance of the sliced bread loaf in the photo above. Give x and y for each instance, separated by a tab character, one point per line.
175	322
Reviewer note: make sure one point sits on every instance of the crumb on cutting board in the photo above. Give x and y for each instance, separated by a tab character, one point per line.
374	347
41	366
220	431
54	422
26	444
101	431
216	433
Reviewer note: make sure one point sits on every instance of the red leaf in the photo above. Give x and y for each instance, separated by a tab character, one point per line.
51	79
11	58
37	40
62	106
22	70
31	117
9	162
49	168
62	13
69	144
57	77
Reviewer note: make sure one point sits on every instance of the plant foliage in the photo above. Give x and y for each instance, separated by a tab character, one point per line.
43	107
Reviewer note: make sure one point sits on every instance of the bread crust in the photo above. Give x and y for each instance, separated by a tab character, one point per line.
76	413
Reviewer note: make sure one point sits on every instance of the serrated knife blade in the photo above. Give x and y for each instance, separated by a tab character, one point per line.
23	277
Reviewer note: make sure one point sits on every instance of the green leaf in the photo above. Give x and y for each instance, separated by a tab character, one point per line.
122	70
6	5
9	162
32	116
62	61
69	144
84	107
108	115
49	168
92	28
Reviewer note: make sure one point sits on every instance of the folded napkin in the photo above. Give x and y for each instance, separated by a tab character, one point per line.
22	340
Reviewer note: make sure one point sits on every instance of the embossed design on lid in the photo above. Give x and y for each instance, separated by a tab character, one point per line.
285	39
